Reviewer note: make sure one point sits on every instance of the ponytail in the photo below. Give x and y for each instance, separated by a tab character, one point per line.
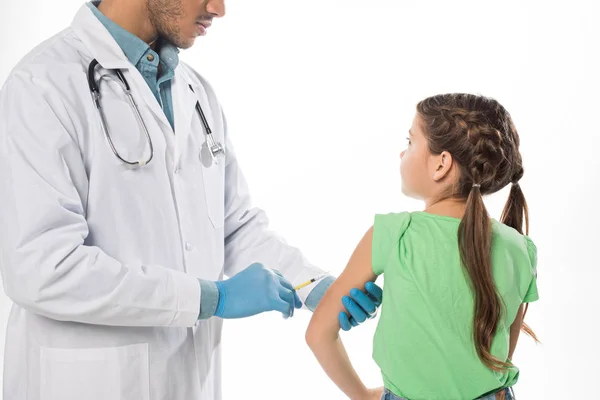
516	210
475	244
513	214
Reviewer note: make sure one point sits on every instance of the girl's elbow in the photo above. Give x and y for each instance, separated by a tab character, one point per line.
317	335
312	335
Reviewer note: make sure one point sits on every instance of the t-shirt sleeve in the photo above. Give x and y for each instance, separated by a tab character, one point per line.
388	229
532	291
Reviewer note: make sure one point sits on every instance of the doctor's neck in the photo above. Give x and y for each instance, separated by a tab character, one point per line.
131	15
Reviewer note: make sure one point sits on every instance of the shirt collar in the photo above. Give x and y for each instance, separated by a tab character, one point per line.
133	47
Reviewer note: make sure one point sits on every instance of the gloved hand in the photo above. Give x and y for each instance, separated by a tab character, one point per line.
254	290
360	305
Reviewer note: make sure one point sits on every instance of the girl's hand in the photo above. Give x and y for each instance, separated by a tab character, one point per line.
374	394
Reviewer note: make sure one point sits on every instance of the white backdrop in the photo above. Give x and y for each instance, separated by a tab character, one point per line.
319	96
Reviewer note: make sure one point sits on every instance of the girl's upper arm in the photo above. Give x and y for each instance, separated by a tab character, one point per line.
357	273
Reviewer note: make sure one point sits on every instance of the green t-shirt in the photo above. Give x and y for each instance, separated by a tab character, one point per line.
424	339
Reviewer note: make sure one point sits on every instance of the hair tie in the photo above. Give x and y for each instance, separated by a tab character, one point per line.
476	185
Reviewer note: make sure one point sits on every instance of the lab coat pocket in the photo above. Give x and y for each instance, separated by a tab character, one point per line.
213	175
115	373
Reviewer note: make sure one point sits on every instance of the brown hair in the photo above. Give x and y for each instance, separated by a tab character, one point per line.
479	134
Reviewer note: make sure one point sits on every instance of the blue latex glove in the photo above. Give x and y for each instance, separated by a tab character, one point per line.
254	290
360	305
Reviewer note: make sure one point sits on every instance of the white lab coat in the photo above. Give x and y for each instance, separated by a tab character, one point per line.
102	261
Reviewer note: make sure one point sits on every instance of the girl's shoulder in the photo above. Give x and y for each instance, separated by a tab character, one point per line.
511	235
388	230
509	238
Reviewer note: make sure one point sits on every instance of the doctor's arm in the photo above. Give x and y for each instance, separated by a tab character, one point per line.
46	266
249	239
322	334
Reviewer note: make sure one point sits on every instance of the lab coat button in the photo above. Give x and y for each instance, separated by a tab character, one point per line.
188	246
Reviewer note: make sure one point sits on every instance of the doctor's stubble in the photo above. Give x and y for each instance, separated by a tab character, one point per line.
175	20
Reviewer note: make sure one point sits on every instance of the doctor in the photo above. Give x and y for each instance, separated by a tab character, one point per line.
120	216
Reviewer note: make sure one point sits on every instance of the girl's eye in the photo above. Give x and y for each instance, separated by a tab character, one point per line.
408	140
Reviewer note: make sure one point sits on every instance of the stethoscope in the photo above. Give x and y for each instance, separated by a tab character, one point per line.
215	148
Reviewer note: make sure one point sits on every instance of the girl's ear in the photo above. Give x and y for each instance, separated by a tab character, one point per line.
443	165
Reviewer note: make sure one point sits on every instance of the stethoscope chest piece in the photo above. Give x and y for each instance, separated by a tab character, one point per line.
206	157
211	153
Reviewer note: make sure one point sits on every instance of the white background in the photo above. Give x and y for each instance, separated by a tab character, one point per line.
319	96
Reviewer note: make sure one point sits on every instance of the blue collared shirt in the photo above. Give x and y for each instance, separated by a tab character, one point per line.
147	61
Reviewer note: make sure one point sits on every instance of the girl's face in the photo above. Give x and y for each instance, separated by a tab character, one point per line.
422	172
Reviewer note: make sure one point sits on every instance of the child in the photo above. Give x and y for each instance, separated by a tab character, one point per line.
455	279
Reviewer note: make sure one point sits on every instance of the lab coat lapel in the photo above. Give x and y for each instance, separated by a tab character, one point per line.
184	105
151	101
99	42
143	95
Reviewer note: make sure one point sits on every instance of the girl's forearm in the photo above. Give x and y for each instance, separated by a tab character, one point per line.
334	360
